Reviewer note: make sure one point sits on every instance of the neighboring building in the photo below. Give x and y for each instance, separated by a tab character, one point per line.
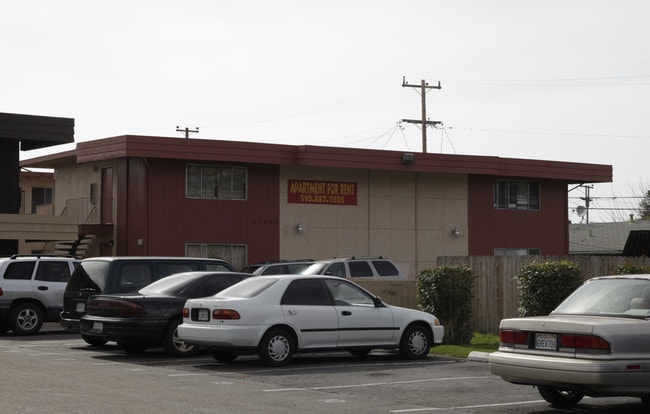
607	239
28	132
250	202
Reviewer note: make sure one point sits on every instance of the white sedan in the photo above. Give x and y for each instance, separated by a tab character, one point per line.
277	316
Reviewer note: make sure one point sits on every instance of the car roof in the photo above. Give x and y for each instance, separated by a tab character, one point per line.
342	259
156	258
626	276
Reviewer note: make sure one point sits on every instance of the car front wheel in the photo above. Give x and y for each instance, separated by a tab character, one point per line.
26	319
415	343
560	397
276	348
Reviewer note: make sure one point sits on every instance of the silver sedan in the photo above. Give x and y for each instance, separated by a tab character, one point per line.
595	343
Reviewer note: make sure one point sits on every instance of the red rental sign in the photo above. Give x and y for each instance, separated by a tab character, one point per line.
322	192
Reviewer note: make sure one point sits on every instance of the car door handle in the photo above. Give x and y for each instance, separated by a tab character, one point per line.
346	313
292	312
42	288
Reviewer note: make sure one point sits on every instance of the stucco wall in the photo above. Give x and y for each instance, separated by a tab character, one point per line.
405	216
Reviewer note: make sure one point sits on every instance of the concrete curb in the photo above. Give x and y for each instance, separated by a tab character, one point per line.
478	356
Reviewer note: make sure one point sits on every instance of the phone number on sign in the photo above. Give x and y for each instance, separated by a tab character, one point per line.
322	199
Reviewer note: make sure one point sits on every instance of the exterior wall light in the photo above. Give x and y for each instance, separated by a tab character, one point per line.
408	158
299	228
455	231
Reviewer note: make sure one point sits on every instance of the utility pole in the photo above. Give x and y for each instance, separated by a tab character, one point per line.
587	199
187	131
424	122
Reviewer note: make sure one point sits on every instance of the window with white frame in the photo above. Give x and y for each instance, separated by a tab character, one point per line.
517	252
235	254
216	182
516	195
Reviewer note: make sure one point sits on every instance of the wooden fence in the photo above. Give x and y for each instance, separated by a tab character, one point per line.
496	295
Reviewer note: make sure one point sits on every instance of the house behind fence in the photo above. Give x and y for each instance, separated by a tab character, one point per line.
495	290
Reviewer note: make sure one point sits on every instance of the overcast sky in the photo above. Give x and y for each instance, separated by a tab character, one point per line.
556	80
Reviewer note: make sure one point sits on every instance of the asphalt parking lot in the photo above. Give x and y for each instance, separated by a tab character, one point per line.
57	372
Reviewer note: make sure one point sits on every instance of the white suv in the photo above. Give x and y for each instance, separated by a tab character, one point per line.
356	267
31	290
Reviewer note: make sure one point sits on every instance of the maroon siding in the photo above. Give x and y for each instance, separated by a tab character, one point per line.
490	228
159	213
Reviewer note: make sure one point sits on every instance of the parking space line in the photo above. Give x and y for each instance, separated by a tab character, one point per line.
372	384
465	407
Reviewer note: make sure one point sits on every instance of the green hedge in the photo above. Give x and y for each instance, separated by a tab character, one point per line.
629	268
448	293
543	286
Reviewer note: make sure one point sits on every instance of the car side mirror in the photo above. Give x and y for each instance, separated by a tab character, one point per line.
378	302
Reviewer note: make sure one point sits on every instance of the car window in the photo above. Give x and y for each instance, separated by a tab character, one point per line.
345	294
133	276
215	284
313	269
336	269
615	296
217	267
20	270
53	271
360	268
275	270
89	276
385	268
249	288
309	292
169	268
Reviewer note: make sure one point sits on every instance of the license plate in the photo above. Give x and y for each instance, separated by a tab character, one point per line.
97	327
81	306
546	341
203	315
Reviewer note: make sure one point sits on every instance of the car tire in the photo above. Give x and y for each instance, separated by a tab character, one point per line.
173	345
94	340
4	327
276	348
646	401
415	342
224	357
26	319
560	397
133	347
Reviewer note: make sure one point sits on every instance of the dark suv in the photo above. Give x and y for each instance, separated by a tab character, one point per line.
116	275
31	290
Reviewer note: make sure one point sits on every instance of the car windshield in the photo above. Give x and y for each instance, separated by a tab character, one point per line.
248	288
169	285
614	296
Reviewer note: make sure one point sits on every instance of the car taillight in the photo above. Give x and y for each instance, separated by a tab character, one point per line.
225	314
511	337
186	312
114	308
590	344
1	292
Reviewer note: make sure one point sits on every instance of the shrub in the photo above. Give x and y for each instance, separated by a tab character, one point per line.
629	268
447	292
543	286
